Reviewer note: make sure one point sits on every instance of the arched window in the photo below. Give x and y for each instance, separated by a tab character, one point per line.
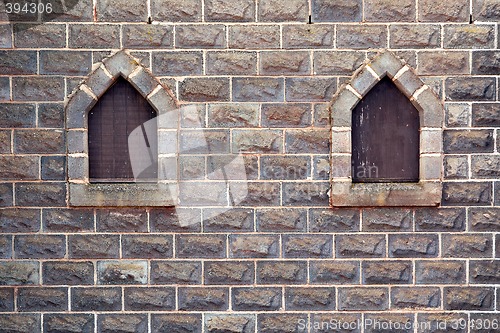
110	122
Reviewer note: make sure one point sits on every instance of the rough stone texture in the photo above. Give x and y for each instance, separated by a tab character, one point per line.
54	323
150	36
68	273
458	194
440	272
231	63
468	141
230	10
312	36
452	11
265	141
149	299
147	246
39	299
176	10
96	299
204	90
283	10
411	246
238	323
41	194
467	246
470	89
229	273
470	298
285	63
322	298
122	272
415	298
485	62
281	272
361	37
19	273
254	36
364	246
485	166
256	299
486	115
94	36
124	220
122	323
334	272
387	272
386	219
487	10
443	63
314	246
246	246
203	299
94	246
458	115
176	272
176	323
121	10
25	323
456	167
19	220
468	37
218	220
49	88
200	36
484	219
414	36
337	62
389	11
206	246
65	220
363	298
258	89
484	271
310	89
338	11
40	246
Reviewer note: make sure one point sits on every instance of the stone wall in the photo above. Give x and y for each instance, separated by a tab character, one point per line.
260	75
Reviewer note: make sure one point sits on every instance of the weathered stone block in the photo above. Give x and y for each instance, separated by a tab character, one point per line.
414	36
70	63
122	11
5	247
176	272
217	141
228	322
258	193
94	246
19	273
200	36
415	298
149	299
80	323
310	89
204	89
147	246
473	194
177	63
230	10
285	63
19	220
230	115
81	11
467	246
456	167
102	36
285	167
167	323
128	220
285	322
321	167
375	299
5	36
452	219
68	273
223	220
307	141
194	194
258	89
256	299
336	220
361	36
200	246
283	10
38	88
390	11
281	220
66	220
308	36
41	194
96	299
486	10
254	36
485	166
15	62
39	141
387	272
229	273
281	272
443	62
469	298
51	115
261	246
6	195
147	36
306	194
307	246
484	219
4	89
413	246
231	63
452	11
203	299
316	299
176	10
53	167
257	141
457	114
470	89
40	36
468	141
484	271
486	115
122	272
39	246
447	319
334	272
6	299
338	11
387	219
485	62
23	323
337	62
360	246
42	299
469	36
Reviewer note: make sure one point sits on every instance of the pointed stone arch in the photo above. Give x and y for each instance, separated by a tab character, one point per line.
428	190
77	107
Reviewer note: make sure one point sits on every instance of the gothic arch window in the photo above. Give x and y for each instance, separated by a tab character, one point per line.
99	120
386	138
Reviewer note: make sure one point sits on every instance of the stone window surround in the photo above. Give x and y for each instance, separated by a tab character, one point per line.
81	101
428	191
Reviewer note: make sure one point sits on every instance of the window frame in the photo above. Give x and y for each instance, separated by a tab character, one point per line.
81	191
428	190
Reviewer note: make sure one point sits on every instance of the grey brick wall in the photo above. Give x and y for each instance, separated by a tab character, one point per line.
260	74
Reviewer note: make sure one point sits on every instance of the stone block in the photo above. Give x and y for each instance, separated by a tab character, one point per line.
413	246
363	299
177	63
72	273
457	114
147	246
108	323
390	11
229	273
6	195
68	220
308	36
176	322
80	11
258	193
257	141
306	194
53	167
486	10
122	272
4	89
128	220
94	246
40	36
334	272
102	36
361	36
310	89
337	62
333	220
415	298
286	322
447	318
38	88
217	163
316	299
443	62
285	167
360	246
149	299
224	322
16	62
281	272
51	115
231	63
477	36
338	11
122	11
462	193
17	220
176	272
387	272
486	115
307	246
468	141
39	141
223	220
469	298
247	246
19	273
254	36
96	299
484	271
387	220
285	63
484	219
467	246
200	246
470	89
281	220
41	194
451	219
230	10
321	167
260	89
5	36
485	62
42	299
23	323
256	299
71	63
283	10
203	299
200	36
5	247
233	115
403	36
452	11
485	166
204	90
176	10
40	246
194	194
